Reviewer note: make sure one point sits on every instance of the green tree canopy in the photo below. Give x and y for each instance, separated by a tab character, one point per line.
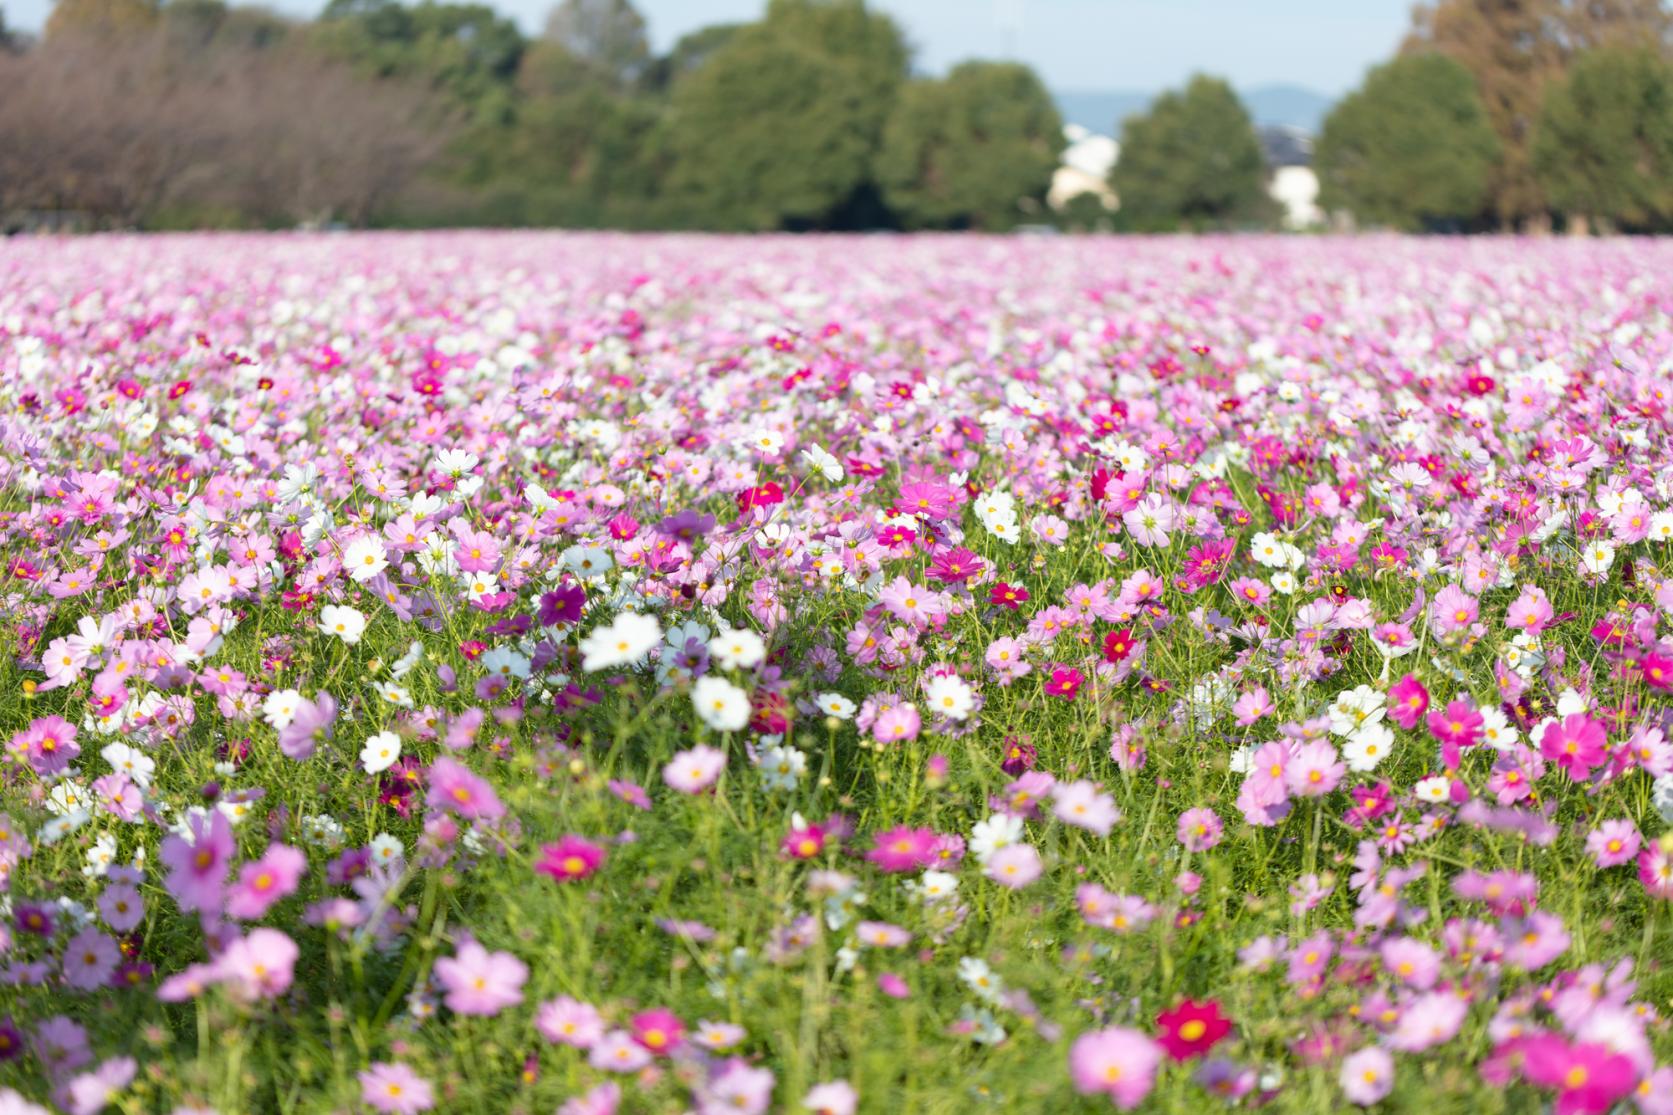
1604	145
606	34
1412	146
962	151
781	125
1192	160
469	52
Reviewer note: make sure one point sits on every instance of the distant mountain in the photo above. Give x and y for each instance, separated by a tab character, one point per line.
1102	110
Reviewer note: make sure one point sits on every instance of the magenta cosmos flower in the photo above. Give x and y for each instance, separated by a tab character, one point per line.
1408	700
1119	1062
1575	745
481	982
571	858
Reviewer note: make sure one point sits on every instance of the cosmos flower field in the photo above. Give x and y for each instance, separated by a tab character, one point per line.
587	674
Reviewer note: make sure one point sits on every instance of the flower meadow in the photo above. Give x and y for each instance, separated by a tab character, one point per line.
588	674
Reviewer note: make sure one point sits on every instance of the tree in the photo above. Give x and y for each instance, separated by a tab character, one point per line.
1411	147
962	151
781	126
467	52
1604	143
110	18
689	53
1514	48
1193	159
606	34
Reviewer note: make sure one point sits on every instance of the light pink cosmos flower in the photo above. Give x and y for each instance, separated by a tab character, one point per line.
1118	1062
395	1089
1314	770
266	881
1014	866
1613	843
568	1021
1082	804
1367	1076
480	982
694	770
259	965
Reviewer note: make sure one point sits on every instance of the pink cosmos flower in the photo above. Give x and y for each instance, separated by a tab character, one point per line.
1065	682
1253	706
263	883
1367	1076
259	965
455	788
1411	962
568	1021
694	770
1083	805
395	1089
1014	866
1457	726
1408	700
89	960
897	724
1655	868
1118	1062
602	1100
836	1098
198	867
1199	829
1575	745
1589	1078
904	849
481	982
659	1030
1531	611
571	858
1453	610
1613	843
616	1051
1314	770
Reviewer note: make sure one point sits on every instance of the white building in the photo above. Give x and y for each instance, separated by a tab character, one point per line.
1085	169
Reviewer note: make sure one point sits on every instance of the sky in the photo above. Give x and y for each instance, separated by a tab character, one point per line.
1323	45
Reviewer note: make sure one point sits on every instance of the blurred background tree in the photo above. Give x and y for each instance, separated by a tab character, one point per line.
781	125
1412	148
1515	48
159	113
1192	161
972	149
1603	148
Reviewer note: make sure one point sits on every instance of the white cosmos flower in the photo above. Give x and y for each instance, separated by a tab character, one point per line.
720	704
380	752
624	641
278	708
347	623
1367	746
131	761
824	464
365	558
950	696
1000	830
835	704
738	649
